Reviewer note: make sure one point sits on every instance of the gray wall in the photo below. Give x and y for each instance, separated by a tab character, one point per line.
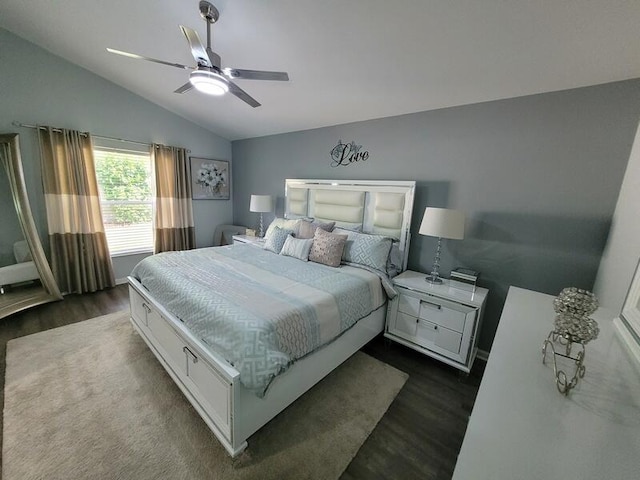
537	176
38	87
10	231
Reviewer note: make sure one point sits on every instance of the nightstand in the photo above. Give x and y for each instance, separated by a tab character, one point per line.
249	240
437	320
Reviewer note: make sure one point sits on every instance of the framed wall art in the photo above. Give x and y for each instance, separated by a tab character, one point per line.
210	179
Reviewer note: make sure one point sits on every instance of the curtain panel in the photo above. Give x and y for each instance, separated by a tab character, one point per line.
174	227
80	257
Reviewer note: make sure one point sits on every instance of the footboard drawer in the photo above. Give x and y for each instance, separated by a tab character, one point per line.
208	390
170	345
139	307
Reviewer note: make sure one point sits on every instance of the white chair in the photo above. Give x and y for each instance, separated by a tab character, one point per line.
223	235
22	271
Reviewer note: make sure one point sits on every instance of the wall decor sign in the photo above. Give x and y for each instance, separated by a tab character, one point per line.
210	179
344	154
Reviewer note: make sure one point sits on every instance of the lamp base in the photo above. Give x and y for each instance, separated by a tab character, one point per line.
434	277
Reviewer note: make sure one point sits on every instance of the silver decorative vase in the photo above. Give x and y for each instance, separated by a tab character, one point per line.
572	329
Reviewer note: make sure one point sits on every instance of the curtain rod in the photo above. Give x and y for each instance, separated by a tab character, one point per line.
36	127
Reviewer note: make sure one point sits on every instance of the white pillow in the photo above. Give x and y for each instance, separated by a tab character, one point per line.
297	247
283	223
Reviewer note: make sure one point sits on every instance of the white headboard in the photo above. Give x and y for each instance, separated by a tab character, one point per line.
372	206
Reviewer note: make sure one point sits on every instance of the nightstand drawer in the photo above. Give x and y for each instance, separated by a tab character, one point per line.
426	334
405	326
436	310
439	336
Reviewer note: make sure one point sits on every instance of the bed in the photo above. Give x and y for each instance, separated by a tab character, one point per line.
236	347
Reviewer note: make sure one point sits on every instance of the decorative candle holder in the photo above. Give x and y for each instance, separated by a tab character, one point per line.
572	327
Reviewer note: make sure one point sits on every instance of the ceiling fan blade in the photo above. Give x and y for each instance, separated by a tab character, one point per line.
184	88
197	49
242	95
149	59
255	74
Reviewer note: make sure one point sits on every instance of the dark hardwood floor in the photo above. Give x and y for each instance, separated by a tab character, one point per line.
418	438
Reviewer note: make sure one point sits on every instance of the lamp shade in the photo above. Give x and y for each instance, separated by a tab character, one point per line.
442	223
260	203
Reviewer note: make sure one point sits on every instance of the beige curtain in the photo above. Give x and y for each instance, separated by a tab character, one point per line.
80	257
174	212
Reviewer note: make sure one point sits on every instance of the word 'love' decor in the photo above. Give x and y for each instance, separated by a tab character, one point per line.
344	154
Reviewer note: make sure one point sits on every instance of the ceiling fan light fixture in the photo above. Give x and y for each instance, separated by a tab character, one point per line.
209	82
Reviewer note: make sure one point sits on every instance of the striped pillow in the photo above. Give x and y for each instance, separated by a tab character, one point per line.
297	247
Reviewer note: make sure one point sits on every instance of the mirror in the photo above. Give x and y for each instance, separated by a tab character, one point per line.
25	276
628	323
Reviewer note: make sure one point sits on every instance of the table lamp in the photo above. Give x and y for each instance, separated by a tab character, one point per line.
261	204
441	223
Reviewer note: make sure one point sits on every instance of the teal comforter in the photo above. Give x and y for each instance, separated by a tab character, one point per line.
258	310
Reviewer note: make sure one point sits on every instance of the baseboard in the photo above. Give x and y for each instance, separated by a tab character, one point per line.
482	355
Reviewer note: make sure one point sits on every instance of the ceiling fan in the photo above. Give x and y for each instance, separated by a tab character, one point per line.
208	76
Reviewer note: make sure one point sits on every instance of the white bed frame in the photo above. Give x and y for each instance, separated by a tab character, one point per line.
232	412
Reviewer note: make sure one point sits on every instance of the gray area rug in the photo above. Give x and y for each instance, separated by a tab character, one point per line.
90	400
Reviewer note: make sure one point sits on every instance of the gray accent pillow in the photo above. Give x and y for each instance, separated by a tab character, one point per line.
297	247
275	241
327	248
366	249
307	229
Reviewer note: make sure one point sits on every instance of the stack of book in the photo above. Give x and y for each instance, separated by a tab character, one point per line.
464	279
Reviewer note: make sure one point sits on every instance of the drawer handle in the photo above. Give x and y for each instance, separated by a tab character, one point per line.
186	350
435	325
146	307
435	305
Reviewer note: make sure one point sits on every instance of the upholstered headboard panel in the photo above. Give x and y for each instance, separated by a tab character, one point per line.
297	202
388	213
379	207
345	207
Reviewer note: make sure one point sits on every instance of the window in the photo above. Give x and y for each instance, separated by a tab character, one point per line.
126	198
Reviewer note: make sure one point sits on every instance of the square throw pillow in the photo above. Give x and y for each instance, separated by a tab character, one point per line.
275	241
366	249
307	229
283	223
297	247
327	248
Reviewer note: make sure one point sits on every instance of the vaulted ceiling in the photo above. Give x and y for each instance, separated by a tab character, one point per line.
348	60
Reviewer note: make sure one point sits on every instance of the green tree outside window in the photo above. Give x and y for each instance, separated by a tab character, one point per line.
124	181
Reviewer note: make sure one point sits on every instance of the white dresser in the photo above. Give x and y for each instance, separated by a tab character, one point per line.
523	428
